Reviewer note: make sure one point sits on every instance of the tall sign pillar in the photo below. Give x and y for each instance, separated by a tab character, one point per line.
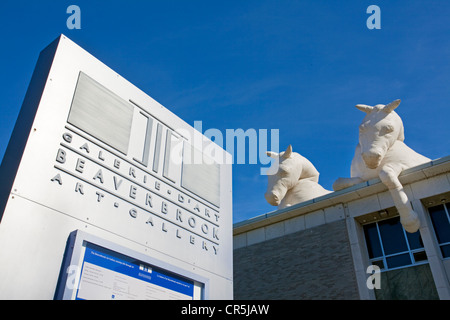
106	194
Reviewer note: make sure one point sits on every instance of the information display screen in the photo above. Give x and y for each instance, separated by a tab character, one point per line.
96	269
108	275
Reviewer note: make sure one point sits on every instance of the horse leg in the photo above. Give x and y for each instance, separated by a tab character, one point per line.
408	218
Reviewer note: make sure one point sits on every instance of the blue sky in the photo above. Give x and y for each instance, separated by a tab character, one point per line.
297	66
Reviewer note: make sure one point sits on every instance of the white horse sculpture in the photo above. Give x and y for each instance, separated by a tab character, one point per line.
382	153
295	180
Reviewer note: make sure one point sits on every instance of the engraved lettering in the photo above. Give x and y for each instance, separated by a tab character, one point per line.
99	176
133	213
164	207
117	183
67	137
192	222
61	156
85	147
188	211
179	215
99	196
215	235
148	200
133	192
80	165
57	178
79	188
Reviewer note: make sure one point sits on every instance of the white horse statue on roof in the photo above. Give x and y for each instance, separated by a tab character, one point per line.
382	153
293	179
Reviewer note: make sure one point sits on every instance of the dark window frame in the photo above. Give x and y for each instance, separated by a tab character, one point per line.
405	254
444	246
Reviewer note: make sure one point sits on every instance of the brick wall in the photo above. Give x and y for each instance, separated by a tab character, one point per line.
314	263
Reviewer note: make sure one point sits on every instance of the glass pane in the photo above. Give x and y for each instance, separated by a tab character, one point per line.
372	240
440	223
392	236
420	256
446	251
415	240
398	261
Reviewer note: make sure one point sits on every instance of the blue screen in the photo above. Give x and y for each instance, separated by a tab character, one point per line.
111	275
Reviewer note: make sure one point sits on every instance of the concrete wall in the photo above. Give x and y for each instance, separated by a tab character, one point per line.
315	263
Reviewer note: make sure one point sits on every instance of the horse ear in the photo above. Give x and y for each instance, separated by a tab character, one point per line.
272	154
288	152
364	108
391	106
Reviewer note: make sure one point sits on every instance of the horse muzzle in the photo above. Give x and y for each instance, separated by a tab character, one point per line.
372	159
272	198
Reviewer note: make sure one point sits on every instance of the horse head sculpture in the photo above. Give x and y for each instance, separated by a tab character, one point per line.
294	179
381	153
379	130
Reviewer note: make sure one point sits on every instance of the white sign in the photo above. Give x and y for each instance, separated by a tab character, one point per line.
103	156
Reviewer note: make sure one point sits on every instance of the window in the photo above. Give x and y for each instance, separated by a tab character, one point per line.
390	246
441	223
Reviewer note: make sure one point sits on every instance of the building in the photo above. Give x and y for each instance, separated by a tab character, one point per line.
322	248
